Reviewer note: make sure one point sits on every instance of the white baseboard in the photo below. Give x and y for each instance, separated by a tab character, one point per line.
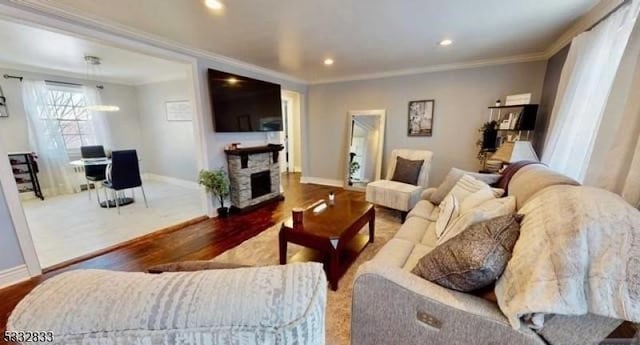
14	275
32	196
322	181
172	180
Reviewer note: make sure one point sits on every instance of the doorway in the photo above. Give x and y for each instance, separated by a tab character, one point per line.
67	222
290	136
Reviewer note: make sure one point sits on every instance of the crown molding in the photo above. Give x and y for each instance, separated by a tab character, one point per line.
60	74
436	68
79	77
163	79
66	12
597	12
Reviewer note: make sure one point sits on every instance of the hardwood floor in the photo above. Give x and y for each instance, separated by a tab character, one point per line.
201	241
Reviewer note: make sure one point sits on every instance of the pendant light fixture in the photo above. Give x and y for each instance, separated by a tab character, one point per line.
93	66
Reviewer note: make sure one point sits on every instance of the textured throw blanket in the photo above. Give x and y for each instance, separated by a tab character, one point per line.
578	253
509	172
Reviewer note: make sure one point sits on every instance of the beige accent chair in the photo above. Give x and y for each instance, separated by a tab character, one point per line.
397	195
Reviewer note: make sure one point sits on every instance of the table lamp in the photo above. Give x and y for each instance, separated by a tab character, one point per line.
510	152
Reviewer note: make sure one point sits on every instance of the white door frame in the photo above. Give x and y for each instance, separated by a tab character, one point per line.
121	39
293	123
18	218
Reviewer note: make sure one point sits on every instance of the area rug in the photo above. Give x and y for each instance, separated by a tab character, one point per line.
262	250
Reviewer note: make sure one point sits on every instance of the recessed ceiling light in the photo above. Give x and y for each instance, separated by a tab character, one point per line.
214	4
328	62
446	42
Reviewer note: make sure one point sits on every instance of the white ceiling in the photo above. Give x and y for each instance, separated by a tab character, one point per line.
362	36
35	49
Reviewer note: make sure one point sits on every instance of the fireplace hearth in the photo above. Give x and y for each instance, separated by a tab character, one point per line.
254	173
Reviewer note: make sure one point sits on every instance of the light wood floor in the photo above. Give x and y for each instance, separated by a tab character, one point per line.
69	226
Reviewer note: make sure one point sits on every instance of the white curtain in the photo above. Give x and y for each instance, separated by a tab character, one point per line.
584	89
56	174
99	120
615	163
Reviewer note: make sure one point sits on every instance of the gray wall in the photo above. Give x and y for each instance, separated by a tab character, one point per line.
10	253
548	98
461	101
169	146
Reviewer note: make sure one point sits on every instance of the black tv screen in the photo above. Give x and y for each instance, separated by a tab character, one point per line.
241	104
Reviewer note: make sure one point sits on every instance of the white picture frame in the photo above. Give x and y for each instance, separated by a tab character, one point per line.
178	110
519	99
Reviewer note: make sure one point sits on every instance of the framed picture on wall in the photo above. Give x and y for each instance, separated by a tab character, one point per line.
420	118
178	111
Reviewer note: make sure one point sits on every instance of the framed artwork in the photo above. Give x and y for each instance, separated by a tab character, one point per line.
178	111
420	118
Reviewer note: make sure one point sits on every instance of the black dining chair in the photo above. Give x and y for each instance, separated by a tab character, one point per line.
94	173
124	173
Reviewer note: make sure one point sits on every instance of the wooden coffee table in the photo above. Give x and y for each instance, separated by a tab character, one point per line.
331	235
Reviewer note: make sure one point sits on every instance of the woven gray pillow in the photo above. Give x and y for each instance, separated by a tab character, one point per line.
407	171
473	259
452	178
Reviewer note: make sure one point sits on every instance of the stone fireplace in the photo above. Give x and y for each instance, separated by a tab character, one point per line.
254	173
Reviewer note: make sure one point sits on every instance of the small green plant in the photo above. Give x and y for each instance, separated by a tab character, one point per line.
215	182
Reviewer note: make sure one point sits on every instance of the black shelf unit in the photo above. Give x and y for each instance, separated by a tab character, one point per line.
25	172
527	119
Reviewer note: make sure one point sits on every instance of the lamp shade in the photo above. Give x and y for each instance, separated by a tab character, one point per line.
515	151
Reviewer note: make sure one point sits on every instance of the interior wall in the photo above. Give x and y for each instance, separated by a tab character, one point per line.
10	253
461	101
124	125
548	98
169	146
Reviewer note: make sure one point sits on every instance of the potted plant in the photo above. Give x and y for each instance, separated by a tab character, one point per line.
216	182
487	143
353	168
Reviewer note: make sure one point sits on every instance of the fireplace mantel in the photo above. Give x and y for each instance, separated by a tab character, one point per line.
255	149
245	152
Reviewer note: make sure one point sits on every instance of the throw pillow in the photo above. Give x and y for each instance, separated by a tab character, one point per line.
466	186
475	258
190	266
449	210
452	178
487	210
476	199
407	171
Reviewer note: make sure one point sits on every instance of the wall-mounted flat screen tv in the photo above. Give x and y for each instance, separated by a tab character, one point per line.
241	104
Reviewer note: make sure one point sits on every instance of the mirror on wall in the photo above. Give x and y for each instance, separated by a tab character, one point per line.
365	140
